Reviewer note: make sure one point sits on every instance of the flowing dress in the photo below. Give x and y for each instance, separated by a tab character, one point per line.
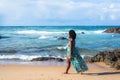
77	61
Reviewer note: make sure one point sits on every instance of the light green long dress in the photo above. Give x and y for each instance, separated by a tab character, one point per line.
77	61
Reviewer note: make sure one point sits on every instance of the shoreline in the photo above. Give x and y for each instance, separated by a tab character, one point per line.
33	63
97	71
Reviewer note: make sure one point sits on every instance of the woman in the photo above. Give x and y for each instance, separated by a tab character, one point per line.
73	55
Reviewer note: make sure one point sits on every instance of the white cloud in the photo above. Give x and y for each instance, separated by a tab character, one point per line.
113	17
41	12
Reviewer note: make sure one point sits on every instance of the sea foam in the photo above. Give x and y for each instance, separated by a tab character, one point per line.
39	32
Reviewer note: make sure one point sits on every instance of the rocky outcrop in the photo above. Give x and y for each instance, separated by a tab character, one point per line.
111	58
82	32
1	37
62	38
47	59
112	30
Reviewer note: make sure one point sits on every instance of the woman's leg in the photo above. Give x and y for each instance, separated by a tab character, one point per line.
68	65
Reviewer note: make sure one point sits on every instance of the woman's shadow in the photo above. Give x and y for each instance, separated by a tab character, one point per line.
102	73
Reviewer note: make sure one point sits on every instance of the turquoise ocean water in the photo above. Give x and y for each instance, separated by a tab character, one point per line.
27	42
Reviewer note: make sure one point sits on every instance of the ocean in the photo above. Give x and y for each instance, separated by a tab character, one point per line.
20	44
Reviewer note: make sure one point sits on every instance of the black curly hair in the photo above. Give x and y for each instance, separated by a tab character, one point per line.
72	34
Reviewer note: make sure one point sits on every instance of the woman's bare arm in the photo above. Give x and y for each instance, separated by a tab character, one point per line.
71	46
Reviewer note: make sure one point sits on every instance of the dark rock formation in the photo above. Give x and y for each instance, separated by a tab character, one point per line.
47	59
1	37
111	58
62	38
89	59
112	30
82	32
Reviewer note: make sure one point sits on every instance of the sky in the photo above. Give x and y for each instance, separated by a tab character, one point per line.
59	12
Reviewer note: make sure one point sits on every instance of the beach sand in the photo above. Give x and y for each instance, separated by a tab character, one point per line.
97	71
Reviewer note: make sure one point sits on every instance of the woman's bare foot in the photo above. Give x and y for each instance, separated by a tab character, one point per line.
65	72
81	73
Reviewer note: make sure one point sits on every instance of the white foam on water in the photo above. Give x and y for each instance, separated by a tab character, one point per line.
21	57
24	57
90	32
39	32
44	37
99	31
57	32
61	48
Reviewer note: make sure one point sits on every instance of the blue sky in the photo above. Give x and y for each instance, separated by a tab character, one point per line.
59	12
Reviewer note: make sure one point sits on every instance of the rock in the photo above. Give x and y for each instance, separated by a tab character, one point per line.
62	38
117	65
1	37
111	58
112	30
47	59
117	53
59	59
99	57
88	59
82	32
108	62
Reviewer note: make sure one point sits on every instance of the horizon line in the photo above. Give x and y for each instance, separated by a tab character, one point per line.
54	25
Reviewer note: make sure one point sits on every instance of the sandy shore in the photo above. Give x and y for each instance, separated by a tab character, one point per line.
97	71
